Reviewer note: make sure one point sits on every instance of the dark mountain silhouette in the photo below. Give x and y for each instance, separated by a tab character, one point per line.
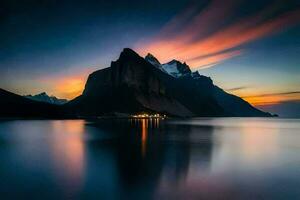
133	84
44	97
130	85
13	105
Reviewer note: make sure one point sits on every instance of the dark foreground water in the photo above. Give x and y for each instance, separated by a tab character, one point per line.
230	158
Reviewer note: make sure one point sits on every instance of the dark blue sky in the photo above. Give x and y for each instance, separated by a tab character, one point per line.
49	43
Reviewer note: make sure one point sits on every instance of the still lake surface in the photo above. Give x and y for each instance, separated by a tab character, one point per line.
206	158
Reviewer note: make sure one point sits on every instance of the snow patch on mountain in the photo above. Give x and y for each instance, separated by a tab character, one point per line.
152	60
44	97
173	68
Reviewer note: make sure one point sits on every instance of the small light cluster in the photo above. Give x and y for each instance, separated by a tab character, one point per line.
145	115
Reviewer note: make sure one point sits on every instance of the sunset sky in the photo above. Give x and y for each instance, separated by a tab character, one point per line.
249	48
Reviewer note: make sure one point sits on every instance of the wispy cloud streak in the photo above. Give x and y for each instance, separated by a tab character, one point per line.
237	88
211	60
195	38
273	94
272	98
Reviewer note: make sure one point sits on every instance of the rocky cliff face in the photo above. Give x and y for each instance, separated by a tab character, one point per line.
133	84
129	85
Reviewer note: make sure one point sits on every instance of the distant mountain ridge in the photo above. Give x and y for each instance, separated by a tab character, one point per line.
44	97
13	105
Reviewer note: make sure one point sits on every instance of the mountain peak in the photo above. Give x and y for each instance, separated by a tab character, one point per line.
44	97
173	61
42	94
128	53
153	60
176	68
149	55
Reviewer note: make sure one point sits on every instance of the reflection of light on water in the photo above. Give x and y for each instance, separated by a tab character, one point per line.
259	145
144	135
156	123
252	144
187	176
68	152
240	147
144	124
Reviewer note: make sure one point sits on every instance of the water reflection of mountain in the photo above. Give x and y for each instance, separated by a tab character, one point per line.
149	153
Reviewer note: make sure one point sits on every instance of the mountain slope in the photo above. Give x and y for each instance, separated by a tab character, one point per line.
133	84
13	105
231	104
236	106
44	97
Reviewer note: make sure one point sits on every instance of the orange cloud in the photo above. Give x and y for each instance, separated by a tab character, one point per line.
209	61
272	99
208	18
201	50
236	35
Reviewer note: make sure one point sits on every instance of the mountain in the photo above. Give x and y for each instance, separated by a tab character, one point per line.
151	59
173	68
133	85
176	68
13	105
130	85
44	97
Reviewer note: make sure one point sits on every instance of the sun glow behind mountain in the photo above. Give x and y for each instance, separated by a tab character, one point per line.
68	86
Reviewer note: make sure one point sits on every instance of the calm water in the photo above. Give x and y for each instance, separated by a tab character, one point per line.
220	158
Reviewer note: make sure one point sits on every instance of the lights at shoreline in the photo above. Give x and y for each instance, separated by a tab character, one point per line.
145	115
